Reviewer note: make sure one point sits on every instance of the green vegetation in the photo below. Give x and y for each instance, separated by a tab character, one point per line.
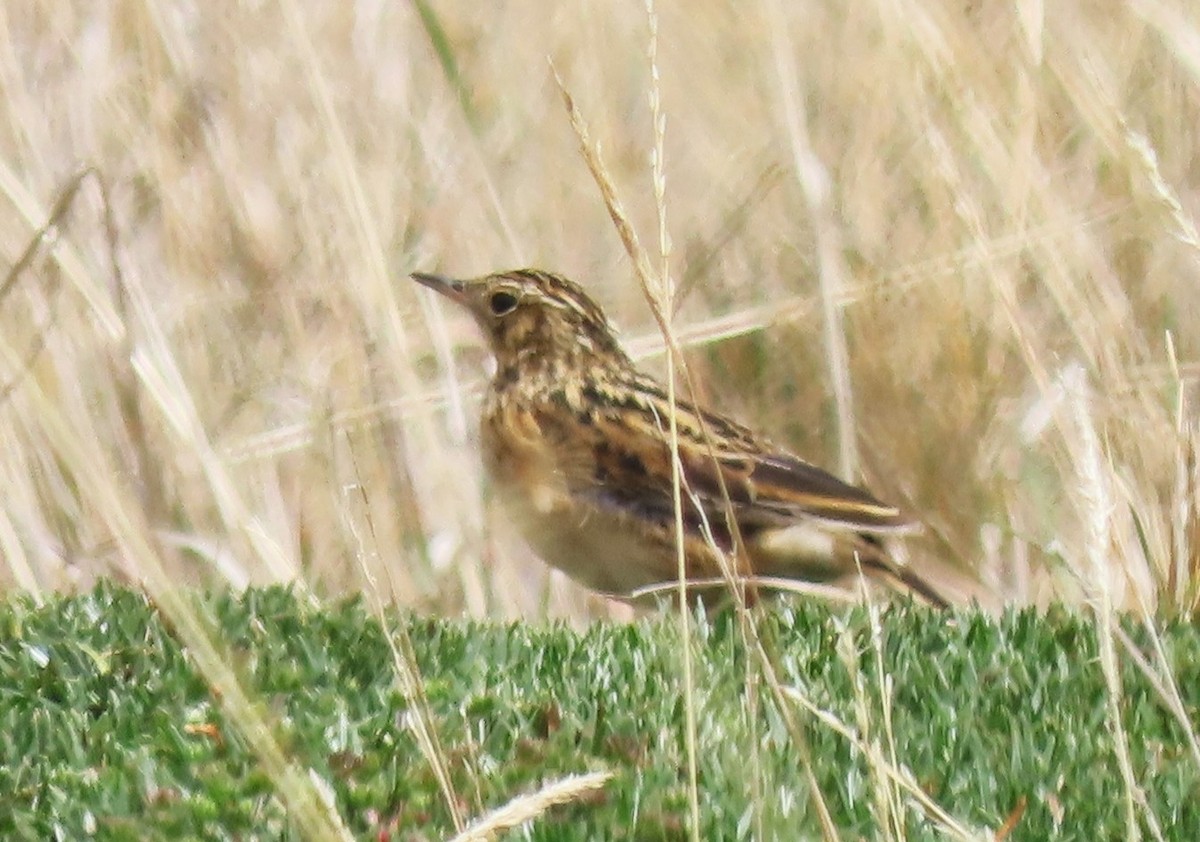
108	727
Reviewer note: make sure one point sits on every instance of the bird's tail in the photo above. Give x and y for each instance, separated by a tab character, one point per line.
906	581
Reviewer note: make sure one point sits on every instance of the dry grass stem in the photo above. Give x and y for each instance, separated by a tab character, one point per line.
528	808
1096	505
666	306
899	775
418	717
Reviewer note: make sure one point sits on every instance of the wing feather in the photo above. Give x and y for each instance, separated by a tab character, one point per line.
766	487
784	480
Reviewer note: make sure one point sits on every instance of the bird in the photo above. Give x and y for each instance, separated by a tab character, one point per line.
576	442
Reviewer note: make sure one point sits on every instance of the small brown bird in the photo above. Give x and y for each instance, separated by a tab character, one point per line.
576	441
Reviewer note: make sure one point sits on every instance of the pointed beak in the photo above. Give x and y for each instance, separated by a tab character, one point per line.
452	289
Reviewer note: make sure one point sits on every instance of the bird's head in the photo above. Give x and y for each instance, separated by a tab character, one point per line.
528	315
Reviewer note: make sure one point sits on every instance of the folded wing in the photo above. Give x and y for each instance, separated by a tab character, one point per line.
630	466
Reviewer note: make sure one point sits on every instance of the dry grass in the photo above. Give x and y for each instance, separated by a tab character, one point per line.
993	202
905	237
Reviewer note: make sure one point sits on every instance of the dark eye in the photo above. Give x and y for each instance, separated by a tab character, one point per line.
502	303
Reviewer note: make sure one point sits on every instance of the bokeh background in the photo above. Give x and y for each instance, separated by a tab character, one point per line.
989	206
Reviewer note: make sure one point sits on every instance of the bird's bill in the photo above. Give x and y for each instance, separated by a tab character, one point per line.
453	289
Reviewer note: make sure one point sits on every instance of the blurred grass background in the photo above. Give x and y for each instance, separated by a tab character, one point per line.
999	198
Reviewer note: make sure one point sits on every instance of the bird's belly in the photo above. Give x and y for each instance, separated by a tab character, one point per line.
605	551
602	546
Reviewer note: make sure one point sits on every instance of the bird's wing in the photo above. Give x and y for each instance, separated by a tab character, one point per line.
629	465
770	489
782	484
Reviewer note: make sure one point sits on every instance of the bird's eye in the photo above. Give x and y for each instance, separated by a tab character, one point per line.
502	303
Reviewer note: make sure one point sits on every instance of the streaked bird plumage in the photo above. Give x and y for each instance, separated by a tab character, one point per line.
575	440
